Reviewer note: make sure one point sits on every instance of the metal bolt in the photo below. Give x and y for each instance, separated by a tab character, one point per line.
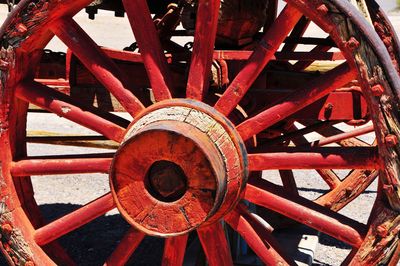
382	231
6	229
352	44
21	28
4	65
29	263
377	90
323	9
391	140
329	204
388	188
349	191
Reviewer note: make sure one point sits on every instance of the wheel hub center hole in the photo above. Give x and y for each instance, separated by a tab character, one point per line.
166	181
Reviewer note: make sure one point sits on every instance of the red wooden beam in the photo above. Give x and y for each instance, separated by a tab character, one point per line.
97	62
318	158
346	135
263	54
59	104
60	166
150	47
202	55
174	250
304	96
257	237
74	220
306	212
125	248
215	245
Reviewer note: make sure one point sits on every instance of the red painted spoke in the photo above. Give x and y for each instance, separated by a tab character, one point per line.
61	105
215	245
297	32
74	220
305	95
316	158
330	178
257	237
150	48
288	181
301	65
263	54
309	213
97	62
204	40
346	135
174	250
60	166
125	248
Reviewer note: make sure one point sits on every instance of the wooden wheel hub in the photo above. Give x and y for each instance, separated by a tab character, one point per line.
180	166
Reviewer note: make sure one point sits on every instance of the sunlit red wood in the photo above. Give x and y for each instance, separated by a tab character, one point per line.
60	104
306	212
215	245
60	166
174	250
346	135
330	177
150	48
316	158
270	43
74	220
97	62
305	95
125	248
204	39
257	237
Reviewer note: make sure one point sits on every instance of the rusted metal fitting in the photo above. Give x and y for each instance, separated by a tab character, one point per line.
391	140
21	28
29	263
377	90
4	65
6	229
352	44
388	188
323	9
382	231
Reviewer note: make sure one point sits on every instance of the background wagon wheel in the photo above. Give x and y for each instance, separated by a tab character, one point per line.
205	129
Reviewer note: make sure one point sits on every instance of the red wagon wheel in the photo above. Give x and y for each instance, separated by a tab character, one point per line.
182	163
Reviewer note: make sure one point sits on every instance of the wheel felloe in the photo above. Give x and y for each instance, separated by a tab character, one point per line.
178	168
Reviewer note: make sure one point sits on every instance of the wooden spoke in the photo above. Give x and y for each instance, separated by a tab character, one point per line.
60	104
97	62
215	245
204	40
316	158
301	65
297	32
150	48
74	220
348	190
305	95
174	250
60	166
309	213
343	136
270	43
257	237
330	178
288	181
125	248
